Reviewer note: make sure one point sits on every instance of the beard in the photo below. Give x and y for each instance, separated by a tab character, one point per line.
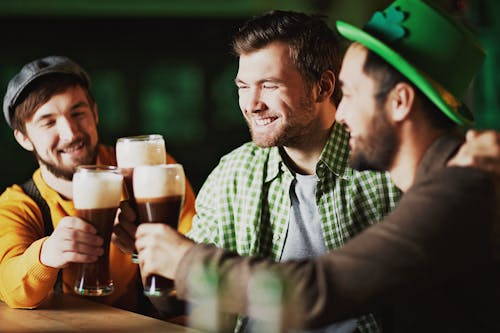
290	133
375	150
65	172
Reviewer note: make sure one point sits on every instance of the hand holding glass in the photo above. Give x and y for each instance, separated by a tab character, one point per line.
159	193
133	151
96	196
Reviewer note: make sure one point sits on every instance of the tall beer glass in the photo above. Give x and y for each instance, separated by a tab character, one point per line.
159	193
96	196
132	151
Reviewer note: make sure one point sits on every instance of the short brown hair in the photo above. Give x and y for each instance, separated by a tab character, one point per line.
40	91
314	47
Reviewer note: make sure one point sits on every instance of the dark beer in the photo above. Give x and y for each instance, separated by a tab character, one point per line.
159	193
96	275
160	210
133	151
96	197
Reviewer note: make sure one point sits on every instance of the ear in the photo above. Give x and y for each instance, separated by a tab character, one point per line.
23	140
326	86
96	113
400	101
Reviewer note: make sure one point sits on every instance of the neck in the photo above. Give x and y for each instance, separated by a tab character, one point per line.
413	143
303	156
60	185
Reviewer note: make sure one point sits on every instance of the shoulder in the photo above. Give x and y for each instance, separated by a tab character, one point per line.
453	194
12	193
244	158
15	205
240	167
457	182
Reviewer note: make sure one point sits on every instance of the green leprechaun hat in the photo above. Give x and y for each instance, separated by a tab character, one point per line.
429	47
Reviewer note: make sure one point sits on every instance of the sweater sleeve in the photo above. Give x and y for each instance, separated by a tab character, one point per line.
24	281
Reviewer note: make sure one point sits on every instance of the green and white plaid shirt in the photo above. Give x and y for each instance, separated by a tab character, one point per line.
244	205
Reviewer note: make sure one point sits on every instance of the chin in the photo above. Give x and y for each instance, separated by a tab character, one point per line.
361	163
263	141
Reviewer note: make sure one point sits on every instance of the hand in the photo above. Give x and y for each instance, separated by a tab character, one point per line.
480	150
161	248
73	240
124	228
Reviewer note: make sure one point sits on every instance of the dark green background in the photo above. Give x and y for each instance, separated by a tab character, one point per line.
164	66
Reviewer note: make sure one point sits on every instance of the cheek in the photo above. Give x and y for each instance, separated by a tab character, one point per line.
90	128
42	140
242	101
42	146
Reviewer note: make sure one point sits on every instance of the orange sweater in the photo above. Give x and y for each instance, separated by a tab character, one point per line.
24	281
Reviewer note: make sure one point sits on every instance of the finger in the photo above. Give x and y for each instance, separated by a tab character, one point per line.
146	241
121	233
128	226
82	248
79	258
471	134
153	229
141	243
126	211
75	235
143	269
145	263
86	238
73	222
125	247
461	159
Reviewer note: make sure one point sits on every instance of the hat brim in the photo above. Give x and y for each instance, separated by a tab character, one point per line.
460	114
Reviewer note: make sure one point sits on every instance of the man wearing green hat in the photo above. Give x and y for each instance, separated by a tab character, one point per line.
427	266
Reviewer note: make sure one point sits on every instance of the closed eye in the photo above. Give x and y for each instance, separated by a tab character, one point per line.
270	86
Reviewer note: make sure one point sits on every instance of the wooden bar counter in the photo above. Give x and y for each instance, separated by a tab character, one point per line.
68	313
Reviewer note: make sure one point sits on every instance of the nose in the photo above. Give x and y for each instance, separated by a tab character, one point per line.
340	115
251	101
66	129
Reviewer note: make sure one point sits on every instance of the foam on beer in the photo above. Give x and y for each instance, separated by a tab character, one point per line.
157	181
130	154
97	190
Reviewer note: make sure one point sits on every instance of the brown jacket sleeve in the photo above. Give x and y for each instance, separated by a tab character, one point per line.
442	222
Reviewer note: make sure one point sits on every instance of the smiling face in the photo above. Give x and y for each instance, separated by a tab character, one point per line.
372	136
274	98
62	133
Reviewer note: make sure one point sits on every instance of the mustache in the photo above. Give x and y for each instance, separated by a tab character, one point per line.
74	144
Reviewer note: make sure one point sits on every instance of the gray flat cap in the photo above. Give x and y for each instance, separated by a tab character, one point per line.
36	69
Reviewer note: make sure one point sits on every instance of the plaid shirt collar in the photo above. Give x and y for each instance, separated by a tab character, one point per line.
334	157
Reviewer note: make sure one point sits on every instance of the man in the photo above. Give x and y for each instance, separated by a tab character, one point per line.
289	193
428	265
51	109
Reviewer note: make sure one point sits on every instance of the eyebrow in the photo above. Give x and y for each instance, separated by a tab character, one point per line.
80	104
73	107
270	79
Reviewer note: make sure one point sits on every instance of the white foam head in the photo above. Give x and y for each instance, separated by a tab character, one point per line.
140	150
97	189
157	181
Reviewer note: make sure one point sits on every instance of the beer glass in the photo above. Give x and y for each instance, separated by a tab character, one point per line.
159	193
132	151
96	195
